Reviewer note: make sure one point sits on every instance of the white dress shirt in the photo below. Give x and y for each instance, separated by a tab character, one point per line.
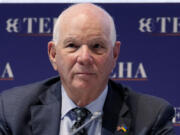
68	105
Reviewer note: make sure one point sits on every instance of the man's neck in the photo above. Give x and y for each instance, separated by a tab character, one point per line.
83	97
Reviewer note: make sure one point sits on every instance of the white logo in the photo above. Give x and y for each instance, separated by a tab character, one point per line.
7	73
176	119
130	71
30	25
160	25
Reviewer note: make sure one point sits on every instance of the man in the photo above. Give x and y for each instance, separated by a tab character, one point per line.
84	51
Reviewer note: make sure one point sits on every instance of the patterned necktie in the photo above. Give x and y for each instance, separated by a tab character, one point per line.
81	115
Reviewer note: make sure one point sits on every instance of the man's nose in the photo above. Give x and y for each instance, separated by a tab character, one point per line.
85	56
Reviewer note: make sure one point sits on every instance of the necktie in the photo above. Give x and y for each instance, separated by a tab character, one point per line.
81	115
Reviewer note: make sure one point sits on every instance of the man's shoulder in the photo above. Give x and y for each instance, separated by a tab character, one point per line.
140	101
29	90
146	100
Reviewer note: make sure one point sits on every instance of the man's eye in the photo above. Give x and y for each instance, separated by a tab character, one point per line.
71	45
97	46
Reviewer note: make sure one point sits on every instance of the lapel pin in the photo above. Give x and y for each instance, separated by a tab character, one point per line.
121	128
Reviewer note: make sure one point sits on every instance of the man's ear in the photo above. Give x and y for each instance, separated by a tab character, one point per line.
116	50
52	54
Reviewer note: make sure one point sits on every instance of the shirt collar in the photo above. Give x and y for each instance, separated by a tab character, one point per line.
95	106
98	103
67	103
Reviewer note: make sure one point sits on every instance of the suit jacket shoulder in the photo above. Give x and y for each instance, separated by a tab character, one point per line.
16	103
151	111
25	94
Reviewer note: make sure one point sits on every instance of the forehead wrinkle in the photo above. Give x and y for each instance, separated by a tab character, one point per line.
83	23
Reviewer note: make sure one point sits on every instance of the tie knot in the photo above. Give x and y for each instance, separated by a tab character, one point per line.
81	113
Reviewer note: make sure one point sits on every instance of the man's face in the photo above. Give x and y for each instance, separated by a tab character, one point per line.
84	55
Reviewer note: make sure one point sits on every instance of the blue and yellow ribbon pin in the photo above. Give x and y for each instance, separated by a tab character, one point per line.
122	128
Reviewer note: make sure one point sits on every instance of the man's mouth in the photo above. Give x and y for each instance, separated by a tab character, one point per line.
84	74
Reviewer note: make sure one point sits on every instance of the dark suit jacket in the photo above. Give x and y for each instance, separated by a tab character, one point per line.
35	109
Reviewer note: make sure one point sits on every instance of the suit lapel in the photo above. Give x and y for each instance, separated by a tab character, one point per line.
124	121
45	116
116	115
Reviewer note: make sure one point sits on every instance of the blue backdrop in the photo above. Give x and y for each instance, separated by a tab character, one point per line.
149	55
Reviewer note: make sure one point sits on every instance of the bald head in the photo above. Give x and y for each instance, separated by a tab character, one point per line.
88	11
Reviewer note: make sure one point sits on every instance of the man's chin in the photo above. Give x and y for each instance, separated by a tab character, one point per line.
83	84
84	77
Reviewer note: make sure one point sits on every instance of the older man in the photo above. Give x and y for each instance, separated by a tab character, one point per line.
84	51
